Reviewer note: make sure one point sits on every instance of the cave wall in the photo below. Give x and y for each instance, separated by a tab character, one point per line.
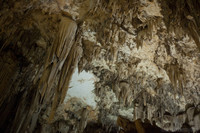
145	54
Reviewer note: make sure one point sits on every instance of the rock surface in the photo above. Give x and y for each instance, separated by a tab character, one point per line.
144	53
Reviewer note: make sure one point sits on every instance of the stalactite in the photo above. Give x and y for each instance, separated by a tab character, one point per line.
66	58
77	54
147	31
182	16
176	76
193	31
42	83
108	37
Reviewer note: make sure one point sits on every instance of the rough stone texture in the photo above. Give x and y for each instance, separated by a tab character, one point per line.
145	54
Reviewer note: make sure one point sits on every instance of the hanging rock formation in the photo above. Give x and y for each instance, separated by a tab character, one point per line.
144	53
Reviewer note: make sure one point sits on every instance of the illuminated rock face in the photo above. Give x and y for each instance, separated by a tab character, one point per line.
136	59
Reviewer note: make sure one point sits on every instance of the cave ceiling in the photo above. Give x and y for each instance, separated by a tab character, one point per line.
101	65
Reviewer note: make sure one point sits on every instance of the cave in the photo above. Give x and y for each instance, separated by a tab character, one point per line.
99	66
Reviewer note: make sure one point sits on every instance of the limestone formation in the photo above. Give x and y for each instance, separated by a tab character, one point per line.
144	55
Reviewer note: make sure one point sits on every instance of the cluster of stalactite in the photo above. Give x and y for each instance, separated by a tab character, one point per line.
182	15
176	77
63	57
37	61
34	72
145	126
120	94
137	126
